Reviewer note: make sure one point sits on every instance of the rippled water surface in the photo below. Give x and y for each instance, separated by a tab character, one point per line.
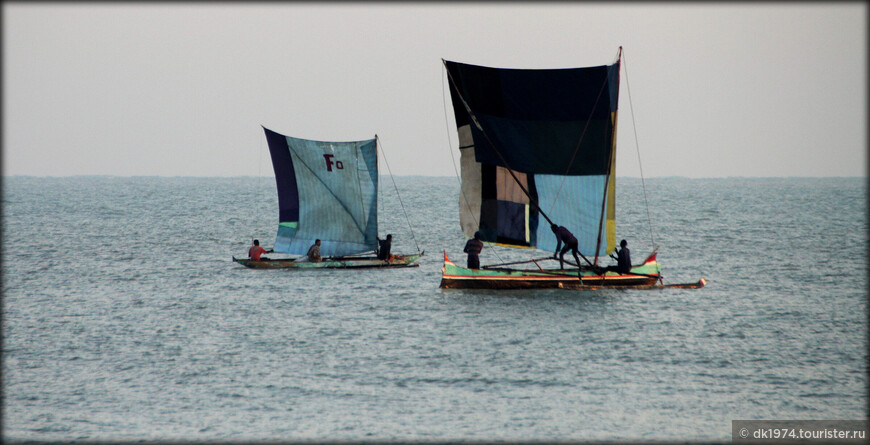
124	318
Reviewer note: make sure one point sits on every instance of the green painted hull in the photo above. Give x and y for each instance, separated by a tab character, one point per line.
331	263
458	277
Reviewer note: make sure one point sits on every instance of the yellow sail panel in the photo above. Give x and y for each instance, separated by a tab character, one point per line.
610	218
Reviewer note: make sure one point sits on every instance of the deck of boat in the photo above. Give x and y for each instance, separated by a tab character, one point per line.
646	275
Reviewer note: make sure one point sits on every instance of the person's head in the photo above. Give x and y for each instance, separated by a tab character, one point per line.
389	236
623	243
317	241
256	242
477	235
554	227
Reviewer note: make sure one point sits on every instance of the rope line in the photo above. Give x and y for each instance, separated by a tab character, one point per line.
456	170
259	183
637	146
582	135
397	192
495	149
574	156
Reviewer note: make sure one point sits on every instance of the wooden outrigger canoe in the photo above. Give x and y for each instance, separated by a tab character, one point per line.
326	190
646	275
331	263
530	125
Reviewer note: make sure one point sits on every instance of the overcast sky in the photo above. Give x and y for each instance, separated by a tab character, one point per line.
716	89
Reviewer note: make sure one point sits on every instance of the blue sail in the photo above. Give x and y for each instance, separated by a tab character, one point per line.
326	191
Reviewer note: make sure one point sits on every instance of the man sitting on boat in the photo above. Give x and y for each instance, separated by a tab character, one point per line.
314	252
623	259
384	247
473	248
563	235
256	250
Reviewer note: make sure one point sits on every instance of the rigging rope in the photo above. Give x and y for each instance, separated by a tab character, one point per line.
455	170
495	149
397	192
577	148
380	203
574	156
259	182
640	165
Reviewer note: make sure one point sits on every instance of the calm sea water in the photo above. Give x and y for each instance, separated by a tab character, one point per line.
124	318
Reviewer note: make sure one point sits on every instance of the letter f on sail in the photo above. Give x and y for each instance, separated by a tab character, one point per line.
330	163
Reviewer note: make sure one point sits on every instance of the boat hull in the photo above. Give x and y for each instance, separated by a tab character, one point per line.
458	277
331	263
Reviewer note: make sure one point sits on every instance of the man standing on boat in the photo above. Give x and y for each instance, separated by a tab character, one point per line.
563	235
384	247
314	252
473	248
256	250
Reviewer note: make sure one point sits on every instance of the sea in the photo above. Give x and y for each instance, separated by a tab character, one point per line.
124	319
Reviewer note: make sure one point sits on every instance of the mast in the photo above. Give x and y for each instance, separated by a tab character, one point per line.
610	162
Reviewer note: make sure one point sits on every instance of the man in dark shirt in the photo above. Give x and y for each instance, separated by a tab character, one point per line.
384	247
623	259
473	248
564	236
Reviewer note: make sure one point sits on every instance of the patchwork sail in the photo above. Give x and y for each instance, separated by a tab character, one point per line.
550	132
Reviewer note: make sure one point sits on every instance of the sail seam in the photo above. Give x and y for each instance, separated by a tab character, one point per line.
362	204
494	148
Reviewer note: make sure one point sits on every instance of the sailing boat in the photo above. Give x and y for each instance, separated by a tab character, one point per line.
538	147
326	191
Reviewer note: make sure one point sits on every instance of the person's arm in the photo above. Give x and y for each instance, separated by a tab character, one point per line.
558	246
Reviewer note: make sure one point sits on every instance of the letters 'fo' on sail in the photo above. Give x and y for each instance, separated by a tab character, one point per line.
337	185
556	130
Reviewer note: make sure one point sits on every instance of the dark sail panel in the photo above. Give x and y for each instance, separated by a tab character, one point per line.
285	177
537	119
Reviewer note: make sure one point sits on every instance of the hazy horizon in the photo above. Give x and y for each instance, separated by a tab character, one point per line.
708	90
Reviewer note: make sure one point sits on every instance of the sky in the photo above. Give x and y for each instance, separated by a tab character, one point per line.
708	90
